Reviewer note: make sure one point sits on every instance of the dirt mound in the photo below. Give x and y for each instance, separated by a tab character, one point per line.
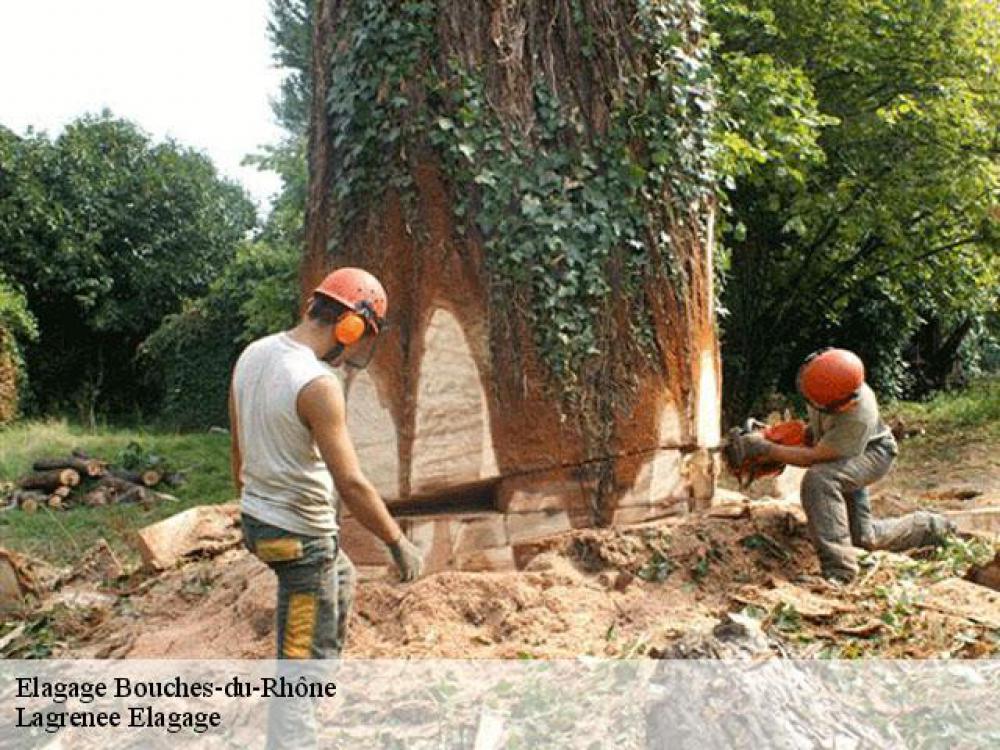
614	592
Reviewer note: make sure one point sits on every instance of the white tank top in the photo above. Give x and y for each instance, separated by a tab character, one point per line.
285	481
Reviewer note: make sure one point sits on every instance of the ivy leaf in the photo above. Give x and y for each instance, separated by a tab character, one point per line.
486	178
468	151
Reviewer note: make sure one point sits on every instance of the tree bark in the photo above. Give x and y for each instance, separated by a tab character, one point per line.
463	390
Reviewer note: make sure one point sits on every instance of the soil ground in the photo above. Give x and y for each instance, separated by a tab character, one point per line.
617	593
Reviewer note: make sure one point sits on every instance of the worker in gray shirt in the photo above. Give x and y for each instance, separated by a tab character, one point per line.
848	448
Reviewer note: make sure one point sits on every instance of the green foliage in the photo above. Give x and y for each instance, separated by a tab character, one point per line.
290	31
785	618
373	102
860	141
108	232
136	456
189	358
17	326
15	317
658	569
976	406
576	218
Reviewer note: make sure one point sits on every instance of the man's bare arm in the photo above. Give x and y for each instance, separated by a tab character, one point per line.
321	407
805	456
235	455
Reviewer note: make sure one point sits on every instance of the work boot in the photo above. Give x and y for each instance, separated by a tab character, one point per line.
917	529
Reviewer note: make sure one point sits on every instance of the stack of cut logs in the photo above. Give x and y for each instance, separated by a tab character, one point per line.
79	479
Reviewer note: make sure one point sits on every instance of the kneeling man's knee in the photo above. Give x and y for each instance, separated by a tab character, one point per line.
816	483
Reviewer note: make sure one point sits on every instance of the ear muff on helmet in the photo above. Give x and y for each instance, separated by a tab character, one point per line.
350	328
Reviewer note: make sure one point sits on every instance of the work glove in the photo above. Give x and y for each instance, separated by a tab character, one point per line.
407	558
755	446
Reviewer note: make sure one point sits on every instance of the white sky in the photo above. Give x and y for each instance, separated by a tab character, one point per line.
199	71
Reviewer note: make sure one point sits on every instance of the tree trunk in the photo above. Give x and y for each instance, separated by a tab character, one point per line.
530	182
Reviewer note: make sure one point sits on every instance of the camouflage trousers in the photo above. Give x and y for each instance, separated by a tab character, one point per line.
837	505
316	583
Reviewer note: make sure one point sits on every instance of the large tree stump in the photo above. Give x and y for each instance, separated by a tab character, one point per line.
445	136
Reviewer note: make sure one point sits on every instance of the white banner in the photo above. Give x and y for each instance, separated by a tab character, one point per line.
483	705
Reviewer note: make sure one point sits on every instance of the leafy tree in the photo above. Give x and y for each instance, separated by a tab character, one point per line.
190	356
108	232
17	326
861	139
290	31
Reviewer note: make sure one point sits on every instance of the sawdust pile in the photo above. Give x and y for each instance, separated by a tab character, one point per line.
616	592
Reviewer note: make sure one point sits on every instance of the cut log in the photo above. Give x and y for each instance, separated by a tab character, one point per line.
96	497
147	478
117	486
982	520
49	480
55	502
29	505
137	494
207	529
63	491
21	496
87	467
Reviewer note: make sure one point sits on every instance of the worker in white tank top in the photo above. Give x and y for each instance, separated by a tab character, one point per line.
292	456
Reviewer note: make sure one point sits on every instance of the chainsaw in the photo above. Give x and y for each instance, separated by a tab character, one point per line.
748	470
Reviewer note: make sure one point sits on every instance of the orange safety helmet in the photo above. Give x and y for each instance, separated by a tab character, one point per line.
830	378
364	297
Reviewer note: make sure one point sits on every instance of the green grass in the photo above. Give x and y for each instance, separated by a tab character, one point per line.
977	406
961	432
59	537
